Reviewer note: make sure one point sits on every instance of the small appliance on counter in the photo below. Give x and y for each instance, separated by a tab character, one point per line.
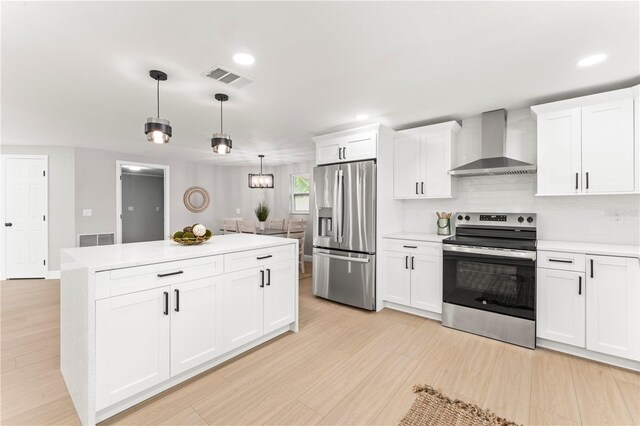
489	276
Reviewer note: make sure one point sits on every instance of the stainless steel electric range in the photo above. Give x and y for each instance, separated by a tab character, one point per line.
489	276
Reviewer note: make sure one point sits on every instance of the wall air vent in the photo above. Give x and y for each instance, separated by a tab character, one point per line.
226	76
90	240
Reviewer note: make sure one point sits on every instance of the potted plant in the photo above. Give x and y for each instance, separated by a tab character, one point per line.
262	213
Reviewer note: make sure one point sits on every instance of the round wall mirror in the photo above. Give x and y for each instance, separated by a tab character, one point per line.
196	199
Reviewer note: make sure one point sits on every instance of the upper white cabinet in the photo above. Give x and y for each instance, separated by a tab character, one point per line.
422	160
352	145
587	146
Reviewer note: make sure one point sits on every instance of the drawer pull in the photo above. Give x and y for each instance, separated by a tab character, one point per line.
264	257
170	273
414	247
560	260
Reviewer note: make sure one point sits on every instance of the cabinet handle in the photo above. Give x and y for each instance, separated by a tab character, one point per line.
422	188
412	258
264	257
560	260
406	262
591	261
344	153
262	278
339	153
410	247
417	192
177	309
587	180
580	285
8	224
170	273
576	181
268	276
166	303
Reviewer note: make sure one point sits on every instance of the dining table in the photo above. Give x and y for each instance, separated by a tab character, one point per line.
267	231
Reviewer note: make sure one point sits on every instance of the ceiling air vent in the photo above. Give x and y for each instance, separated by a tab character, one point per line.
226	76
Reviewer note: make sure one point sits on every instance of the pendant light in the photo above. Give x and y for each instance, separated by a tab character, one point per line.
221	142
158	130
260	180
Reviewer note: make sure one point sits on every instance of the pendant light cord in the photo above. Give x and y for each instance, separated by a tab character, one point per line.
221	128
158	95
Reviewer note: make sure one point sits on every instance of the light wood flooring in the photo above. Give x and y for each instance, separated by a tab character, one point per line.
346	366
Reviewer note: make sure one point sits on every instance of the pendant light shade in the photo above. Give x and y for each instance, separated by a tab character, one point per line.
257	181
158	130
221	142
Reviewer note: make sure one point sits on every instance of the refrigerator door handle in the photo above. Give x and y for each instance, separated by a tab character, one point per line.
345	258
334	219
340	206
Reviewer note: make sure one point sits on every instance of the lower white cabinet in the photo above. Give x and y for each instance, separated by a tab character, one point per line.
196	323
279	293
613	306
592	305
243	307
413	275
132	344
561	302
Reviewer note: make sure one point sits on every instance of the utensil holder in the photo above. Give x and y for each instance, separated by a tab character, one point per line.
444	227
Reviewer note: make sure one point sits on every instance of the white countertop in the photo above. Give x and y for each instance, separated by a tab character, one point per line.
117	256
590	248
417	236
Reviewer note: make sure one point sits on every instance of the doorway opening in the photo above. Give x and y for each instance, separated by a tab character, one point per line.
142	202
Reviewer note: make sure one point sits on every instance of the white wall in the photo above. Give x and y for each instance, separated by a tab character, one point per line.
577	218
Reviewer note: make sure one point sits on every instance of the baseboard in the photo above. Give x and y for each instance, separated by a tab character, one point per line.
413	311
585	353
53	275
308	258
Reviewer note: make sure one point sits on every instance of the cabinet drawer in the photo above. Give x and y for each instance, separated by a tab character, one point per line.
138	278
561	260
417	247
255	258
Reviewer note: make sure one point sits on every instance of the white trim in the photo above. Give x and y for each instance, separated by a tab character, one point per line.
3	258
413	311
53	275
585	353
167	196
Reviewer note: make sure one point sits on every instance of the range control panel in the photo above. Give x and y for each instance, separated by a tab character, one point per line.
517	220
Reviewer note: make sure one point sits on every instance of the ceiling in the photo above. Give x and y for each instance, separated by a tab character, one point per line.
76	73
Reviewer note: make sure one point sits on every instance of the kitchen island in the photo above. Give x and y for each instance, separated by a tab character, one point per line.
137	319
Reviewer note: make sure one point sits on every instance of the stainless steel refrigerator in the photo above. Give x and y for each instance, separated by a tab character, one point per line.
344	233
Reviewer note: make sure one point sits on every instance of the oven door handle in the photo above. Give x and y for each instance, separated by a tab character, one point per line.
517	254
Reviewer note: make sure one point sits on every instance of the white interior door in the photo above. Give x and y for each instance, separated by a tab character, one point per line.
25	215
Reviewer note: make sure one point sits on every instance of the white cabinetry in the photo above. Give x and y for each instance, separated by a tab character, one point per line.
587	145
613	306
589	302
412	274
132	344
561	306
422	160
352	145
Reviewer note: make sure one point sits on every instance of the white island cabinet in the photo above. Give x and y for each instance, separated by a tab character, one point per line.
139	318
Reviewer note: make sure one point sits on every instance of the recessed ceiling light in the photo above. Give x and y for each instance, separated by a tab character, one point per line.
591	60
243	59
360	117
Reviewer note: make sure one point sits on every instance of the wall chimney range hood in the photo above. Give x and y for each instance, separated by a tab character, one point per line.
493	143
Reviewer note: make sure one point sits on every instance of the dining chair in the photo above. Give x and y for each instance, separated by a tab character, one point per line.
230	225
277	223
247	227
296	229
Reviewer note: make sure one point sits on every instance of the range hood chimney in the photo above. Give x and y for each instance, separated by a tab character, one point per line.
493	146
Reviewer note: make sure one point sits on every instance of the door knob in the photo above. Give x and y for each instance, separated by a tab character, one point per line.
8	224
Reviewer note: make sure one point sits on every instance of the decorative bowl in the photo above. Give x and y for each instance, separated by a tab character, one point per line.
191	241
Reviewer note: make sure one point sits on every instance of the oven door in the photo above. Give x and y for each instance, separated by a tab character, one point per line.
492	280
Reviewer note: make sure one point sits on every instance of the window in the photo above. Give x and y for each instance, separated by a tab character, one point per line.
300	193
